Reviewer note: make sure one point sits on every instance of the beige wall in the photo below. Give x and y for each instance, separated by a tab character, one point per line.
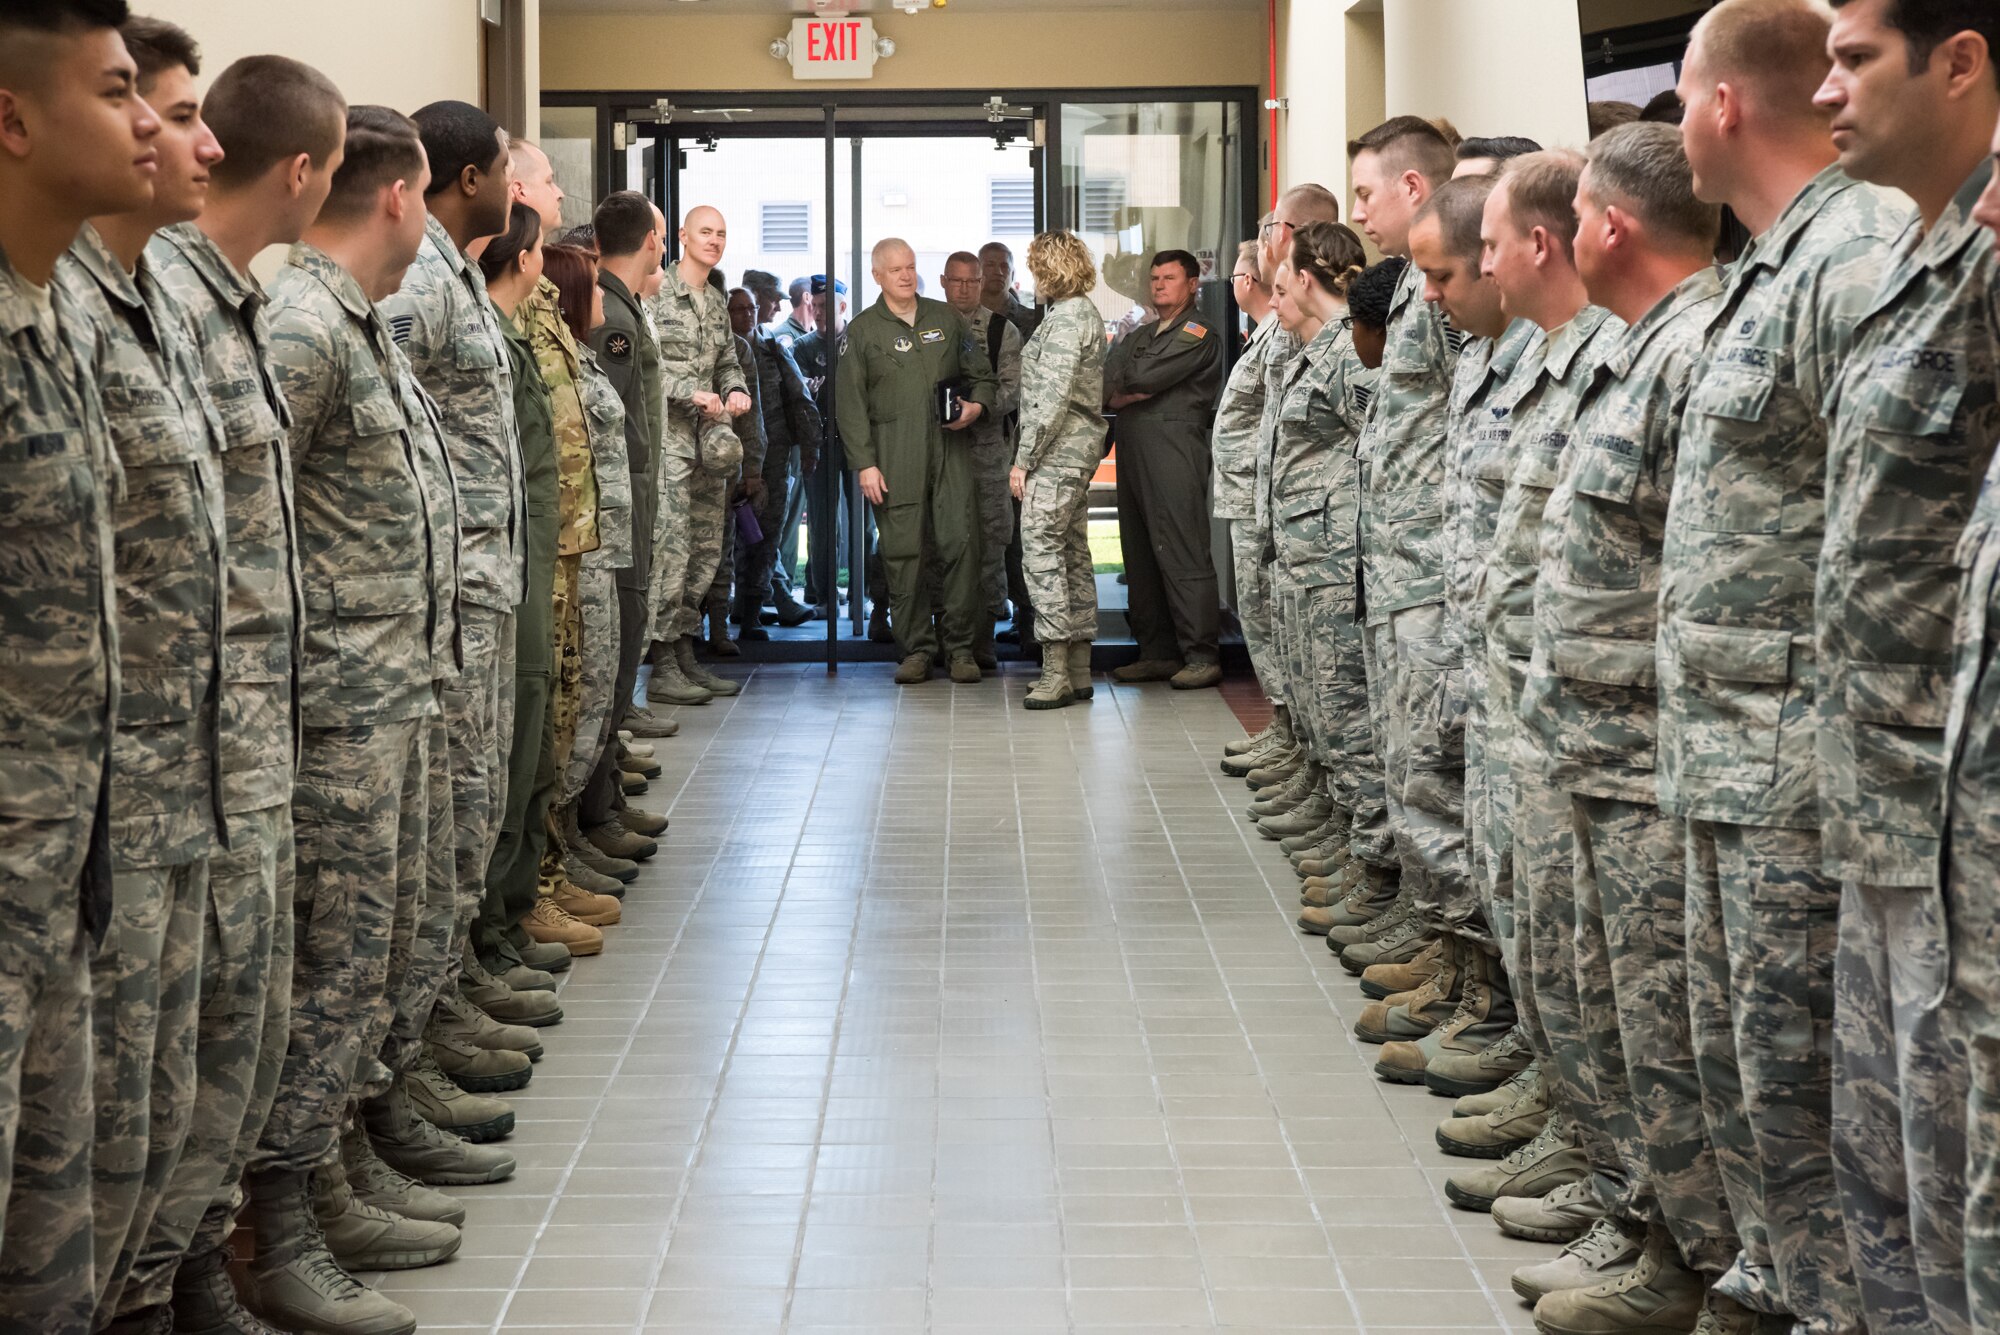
401	53
935	49
1490	66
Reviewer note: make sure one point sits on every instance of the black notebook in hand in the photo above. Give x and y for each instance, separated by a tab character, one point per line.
950	400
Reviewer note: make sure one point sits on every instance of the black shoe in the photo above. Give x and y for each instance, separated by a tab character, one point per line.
752	633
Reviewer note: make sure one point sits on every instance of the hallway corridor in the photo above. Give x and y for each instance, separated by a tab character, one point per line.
935	1015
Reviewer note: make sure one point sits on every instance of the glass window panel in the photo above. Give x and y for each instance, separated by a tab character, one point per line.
569	137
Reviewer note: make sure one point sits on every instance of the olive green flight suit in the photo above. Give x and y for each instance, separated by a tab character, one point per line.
886	400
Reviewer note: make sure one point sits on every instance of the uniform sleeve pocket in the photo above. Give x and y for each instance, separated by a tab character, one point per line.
39	785
375	412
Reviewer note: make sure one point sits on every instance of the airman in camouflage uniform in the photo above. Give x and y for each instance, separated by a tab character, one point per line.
246	989
444	325
368	534
1233	445
165	786
1589	710
1736	751
993	453
1419	733
1061	391
57	705
791	434
1545	991
749	429
699	460
597	592
1913	423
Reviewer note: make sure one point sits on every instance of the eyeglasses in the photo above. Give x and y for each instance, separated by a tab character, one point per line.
1243	278
1265	230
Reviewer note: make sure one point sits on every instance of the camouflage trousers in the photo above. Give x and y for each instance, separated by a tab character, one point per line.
245	1016
1417	700
1489	827
1761	928
1551	1002
687	545
359	814
1254	605
1327	691
1973	914
1631	889
565	700
597	609
48	1281
1055	552
145	991
435	948
479	730
1901	1067
992	462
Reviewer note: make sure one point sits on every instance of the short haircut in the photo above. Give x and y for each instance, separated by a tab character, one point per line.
582	237
961	257
1605	116
265	110
524	229
1664	108
1372	293
888	246
1541	192
1000	247
762	285
1408	143
798	290
383	147
1643	168
1181	257
1248	250
1308	202
1330	252
457	135
1777	47
1928	24
1459	207
1497	148
158	46
60	17
1062	266
623	221
574	274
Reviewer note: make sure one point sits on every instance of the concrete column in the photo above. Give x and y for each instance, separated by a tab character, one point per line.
1491	67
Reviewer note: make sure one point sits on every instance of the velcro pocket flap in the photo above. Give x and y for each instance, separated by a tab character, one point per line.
378	595
39	785
1737	393
1607	662
1730	653
263	658
484	507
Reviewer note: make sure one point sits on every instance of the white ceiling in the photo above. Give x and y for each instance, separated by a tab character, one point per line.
878	6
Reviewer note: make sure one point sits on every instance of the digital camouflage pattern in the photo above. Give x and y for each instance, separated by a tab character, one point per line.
1492	375
606	418
448	330
1239	418
1590	702
1280	348
749	429
1736	747
58	699
1914	420
993	449
1737	662
1061	441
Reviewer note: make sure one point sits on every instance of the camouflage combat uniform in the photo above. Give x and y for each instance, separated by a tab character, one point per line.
1492	376
791	435
58	700
368	696
597	585
1590	709
1545	990
1419	732
749	429
560	361
246	983
1062	440
698	466
1232	450
1314	504
1736	761
165	784
993	450
1914	419
445	326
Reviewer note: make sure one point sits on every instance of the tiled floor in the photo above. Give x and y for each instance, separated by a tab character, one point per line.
935	1015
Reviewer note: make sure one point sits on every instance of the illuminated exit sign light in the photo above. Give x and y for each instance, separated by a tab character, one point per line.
833	48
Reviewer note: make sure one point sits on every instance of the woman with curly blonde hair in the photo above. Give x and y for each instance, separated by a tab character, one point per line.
1062	439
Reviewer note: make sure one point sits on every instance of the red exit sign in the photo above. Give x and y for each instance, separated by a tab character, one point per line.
842	48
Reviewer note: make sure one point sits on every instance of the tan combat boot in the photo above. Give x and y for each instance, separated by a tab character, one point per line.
1384	980
294	1281
444	1105
580	904
699	675
1052	690
1500	1131
1552	1159
1602	1252
547	923
366	1237
1417	1013
376	1183
1079	669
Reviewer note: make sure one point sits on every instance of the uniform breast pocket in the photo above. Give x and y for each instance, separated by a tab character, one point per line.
475	352
1737	489
1301	531
376	619
1733	684
1606	545
43	498
1913	482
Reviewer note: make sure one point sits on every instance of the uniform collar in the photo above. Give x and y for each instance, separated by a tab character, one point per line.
238	290
1325	343
1700	285
311	260
1774	247
435	233
1918	252
614	287
96	259
1568	340
1411	284
19	308
1262	331
1510	347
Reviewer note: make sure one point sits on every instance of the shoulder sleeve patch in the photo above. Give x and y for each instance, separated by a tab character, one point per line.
402	326
618	347
842	346
1198	330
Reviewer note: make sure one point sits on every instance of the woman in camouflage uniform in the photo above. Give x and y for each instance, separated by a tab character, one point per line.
1062	438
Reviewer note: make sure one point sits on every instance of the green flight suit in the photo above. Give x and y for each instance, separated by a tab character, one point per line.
886	401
